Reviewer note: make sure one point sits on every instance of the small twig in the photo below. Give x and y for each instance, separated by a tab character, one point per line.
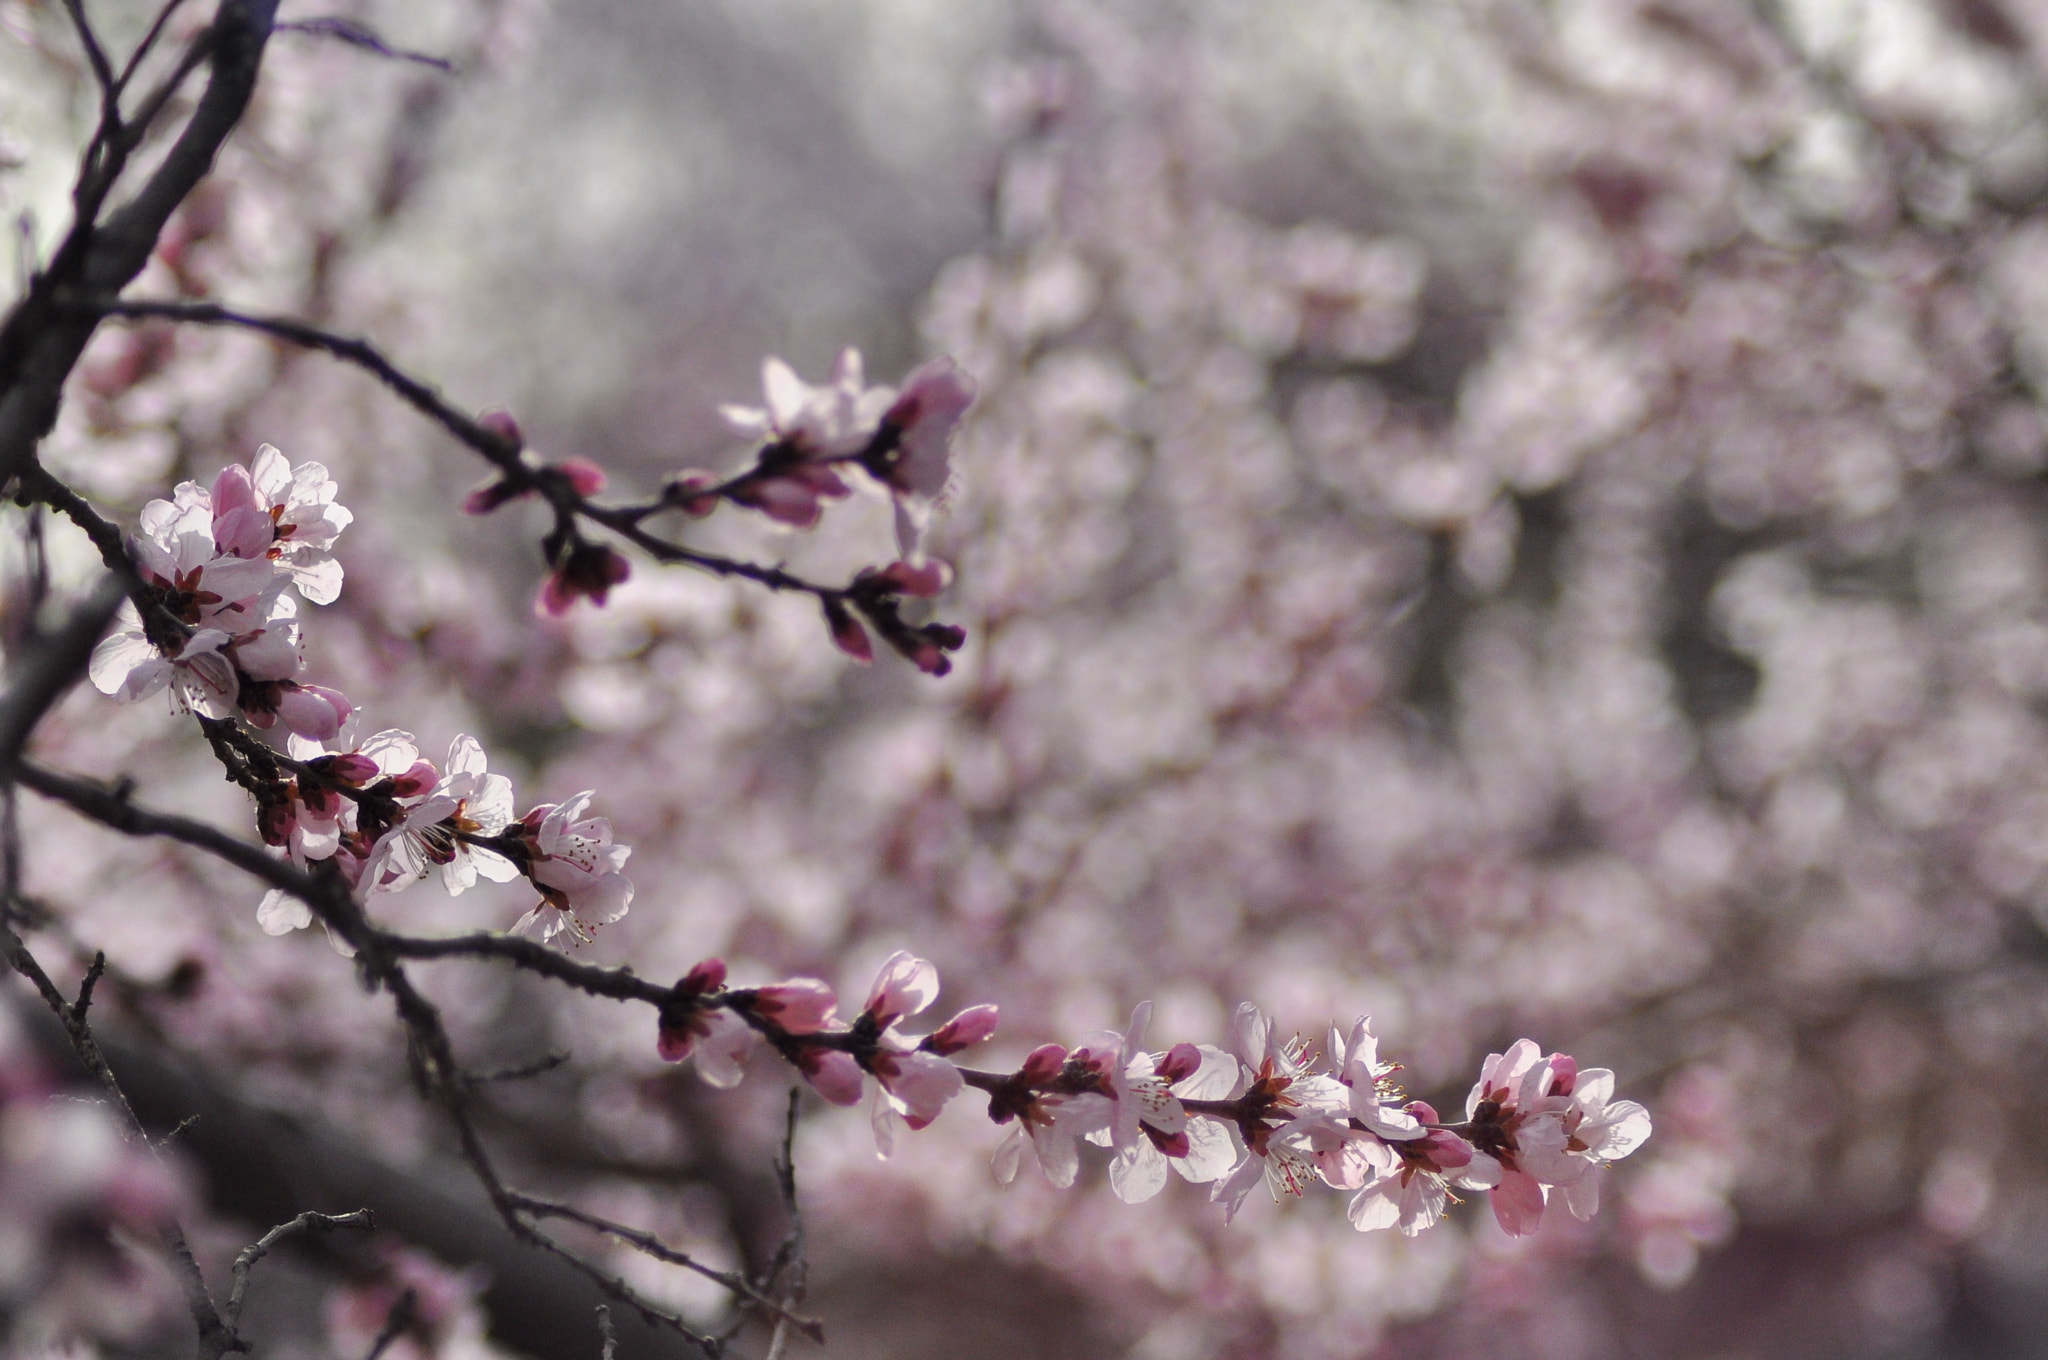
257	1250
397	1320
148	43
92	978
361	35
547	1062
96	57
604	1330
649	1244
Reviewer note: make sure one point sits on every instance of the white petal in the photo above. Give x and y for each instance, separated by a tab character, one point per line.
281	914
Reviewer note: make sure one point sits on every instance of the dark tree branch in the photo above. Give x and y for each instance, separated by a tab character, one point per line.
257	1250
51	666
41	341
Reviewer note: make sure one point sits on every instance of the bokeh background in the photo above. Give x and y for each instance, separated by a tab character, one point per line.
1511	518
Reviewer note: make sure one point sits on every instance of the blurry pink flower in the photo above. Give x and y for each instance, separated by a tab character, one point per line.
817	422
799	1006
923	419
964	1030
588	572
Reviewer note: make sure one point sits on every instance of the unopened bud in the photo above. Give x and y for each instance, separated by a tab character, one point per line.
587	477
1179	1063
1042	1064
707	976
969	1027
847	634
501	424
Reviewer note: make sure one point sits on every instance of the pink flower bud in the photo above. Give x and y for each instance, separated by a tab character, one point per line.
1424	1112
350	768
832	1074
1178	1063
682	484
487	498
1043	1063
501	424
786	500
847	633
969	1027
923	581
707	976
232	490
1447	1149
929	659
1172	1144
1564	1074
674	1044
416	782
587	477
905	986
588	572
799	1006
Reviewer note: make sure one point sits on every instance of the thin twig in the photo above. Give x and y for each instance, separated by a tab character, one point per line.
257	1250
650	1245
362	35
148	43
605	1331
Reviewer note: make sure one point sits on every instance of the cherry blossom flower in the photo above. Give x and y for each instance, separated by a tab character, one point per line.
913	1082
469	801
285	514
573	862
200	677
1412	1187
1150	1129
1281	1090
717	1038
1574	1128
1052	1123
831	421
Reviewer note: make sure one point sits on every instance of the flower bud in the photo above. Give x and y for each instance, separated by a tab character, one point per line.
1178	1063
501	424
847	633
587	477
969	1027
1042	1064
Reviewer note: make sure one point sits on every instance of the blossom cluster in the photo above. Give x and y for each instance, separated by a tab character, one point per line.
1274	1111
221	630
214	621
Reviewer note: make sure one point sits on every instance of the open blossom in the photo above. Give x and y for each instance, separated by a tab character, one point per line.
1050	1122
913	458
1412	1185
573	862
1574	1127
913	1082
1286	1099
288	515
1149	1128
717	1038
318	823
201	679
829	421
469	801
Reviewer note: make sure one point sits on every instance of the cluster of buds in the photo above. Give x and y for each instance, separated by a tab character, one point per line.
218	623
1274	1111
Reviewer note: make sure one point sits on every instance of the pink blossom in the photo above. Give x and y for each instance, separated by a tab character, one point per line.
816	422
799	1006
285	514
1410	1192
589	571
1575	1128
1050	1123
576	866
964	1030
914	1083
468	801
923	419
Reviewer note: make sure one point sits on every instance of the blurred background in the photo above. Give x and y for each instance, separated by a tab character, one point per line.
1508	518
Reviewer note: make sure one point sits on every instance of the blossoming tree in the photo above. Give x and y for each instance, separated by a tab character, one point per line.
203	615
